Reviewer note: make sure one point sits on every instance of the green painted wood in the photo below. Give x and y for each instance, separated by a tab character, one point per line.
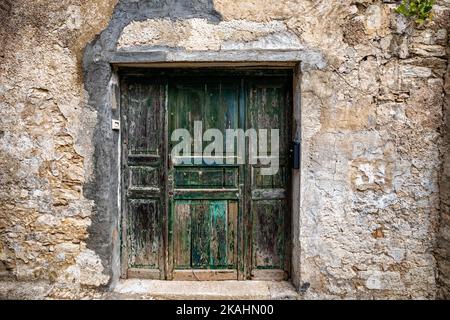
218	256
207	189
221	216
207	177
199	178
213	113
231	177
211	194
232	234
200	234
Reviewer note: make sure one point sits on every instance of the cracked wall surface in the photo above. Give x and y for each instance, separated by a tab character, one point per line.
374	210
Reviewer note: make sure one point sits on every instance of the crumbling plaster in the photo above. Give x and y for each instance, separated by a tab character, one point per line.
373	189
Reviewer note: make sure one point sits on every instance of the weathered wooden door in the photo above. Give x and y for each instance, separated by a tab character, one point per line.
268	210
144	175
191	217
206	197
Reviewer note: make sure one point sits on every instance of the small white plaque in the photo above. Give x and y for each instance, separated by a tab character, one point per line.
116	125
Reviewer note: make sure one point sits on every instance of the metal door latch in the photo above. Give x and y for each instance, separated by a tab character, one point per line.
115	125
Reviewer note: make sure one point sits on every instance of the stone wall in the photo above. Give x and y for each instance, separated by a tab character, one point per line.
45	145
373	185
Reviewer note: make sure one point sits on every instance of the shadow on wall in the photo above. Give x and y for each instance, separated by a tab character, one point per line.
102	188
5	8
443	241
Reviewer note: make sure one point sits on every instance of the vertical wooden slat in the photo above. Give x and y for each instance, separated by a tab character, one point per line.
230	105
245	181
182	235
212	110
167	259
218	256
232	233
201	235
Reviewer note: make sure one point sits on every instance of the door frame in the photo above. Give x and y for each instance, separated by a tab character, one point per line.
293	194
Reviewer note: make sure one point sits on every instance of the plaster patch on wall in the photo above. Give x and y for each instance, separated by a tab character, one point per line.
200	34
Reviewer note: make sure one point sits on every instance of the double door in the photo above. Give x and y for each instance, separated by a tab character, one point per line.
205	212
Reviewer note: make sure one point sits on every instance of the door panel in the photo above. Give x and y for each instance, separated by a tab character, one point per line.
205	196
205	234
143	180
268	234
208	177
144	238
268	107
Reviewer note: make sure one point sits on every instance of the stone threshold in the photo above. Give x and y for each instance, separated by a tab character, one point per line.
203	290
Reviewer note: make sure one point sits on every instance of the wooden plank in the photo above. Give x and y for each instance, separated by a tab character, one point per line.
144	157
201	234
244	227
232	234
166	253
218	255
182	235
230	105
204	275
138	273
269	194
212	110
144	193
210	194
190	105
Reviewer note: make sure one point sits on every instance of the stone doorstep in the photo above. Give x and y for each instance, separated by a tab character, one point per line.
203	290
